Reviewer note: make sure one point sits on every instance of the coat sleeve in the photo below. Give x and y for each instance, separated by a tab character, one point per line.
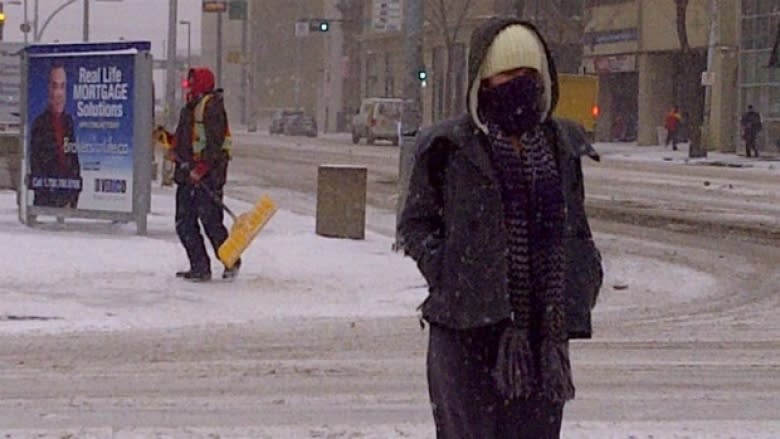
421	227
584	271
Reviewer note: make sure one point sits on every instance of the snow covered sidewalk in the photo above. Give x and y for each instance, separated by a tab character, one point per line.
98	275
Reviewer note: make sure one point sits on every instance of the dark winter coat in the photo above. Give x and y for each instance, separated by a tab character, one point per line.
454	184
216	160
453	225
751	124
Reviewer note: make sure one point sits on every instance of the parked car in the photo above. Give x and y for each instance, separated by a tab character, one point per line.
377	119
300	125
280	118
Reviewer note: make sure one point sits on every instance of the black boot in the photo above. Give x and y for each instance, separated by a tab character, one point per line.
194	276
198	276
231	273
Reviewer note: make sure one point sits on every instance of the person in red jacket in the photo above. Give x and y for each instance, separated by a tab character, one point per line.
672	124
201	151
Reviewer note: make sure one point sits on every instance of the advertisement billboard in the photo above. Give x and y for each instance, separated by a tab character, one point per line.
80	120
87	131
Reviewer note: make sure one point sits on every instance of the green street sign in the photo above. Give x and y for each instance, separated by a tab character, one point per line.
237	10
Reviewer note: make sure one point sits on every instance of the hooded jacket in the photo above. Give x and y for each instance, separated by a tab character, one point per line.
452	224
213	160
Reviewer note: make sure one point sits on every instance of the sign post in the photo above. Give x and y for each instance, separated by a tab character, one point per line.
87	132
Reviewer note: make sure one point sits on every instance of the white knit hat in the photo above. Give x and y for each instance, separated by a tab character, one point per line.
514	47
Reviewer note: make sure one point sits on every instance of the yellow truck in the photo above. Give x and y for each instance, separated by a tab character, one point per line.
578	100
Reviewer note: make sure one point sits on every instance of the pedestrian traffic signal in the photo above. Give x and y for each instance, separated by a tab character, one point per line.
2	20
319	25
422	76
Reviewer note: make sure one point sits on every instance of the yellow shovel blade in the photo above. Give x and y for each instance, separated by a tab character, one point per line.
244	230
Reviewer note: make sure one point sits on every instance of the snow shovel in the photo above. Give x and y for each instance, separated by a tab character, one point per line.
244	229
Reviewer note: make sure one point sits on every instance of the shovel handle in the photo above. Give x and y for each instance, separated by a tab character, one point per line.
217	200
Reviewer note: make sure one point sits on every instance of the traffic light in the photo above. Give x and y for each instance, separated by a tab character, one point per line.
422	76
319	25
2	20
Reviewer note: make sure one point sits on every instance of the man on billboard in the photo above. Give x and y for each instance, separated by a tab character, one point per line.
54	162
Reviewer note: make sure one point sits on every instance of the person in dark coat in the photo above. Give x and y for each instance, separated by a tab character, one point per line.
55	170
751	126
495	220
201	152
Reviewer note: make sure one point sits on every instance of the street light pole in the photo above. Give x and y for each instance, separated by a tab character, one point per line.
38	33
189	42
25	28
86	21
170	71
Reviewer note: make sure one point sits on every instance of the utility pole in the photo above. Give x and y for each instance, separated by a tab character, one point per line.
252	94
411	116
700	149
412	25
298	68
219	49
86	21
244	87
170	73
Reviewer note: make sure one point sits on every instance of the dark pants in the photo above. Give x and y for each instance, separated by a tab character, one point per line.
195	206
750	144
466	403
671	137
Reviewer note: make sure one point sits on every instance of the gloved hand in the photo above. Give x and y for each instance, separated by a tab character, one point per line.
198	172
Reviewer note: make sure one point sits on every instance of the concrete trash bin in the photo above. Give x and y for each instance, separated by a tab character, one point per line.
341	201
11	160
662	133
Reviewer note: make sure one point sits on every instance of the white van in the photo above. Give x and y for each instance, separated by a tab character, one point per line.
377	119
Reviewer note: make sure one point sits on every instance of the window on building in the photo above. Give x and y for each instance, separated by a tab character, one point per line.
372	76
759	84
389	80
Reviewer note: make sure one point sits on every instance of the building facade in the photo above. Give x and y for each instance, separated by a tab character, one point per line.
635	48
447	29
632	45
266	65
759	85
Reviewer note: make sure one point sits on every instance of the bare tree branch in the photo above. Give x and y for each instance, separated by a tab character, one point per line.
682	25
437	15
459	21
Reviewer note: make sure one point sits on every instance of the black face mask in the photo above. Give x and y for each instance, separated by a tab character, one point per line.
512	106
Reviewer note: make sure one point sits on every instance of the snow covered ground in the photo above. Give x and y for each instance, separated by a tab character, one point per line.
97	275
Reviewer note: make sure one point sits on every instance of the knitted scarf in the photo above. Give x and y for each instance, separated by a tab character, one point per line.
533	354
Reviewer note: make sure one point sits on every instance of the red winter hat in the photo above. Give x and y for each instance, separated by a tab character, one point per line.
201	80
